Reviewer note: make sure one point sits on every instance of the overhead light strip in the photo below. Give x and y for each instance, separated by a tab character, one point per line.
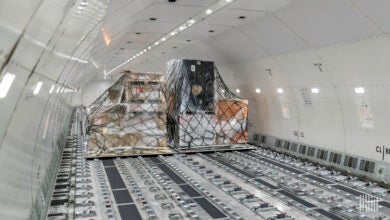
359	90
51	89
38	88
5	84
218	5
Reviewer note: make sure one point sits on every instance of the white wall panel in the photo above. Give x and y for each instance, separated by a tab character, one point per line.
239	46
19	15
332	121
252	74
154	27
41	53
230	17
323	121
260	5
168	12
273	35
323	22
8	104
214	51
283	126
188	2
300	69
378	11
362	62
204	28
192	53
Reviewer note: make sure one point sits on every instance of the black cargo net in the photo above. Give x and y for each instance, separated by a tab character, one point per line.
201	110
143	114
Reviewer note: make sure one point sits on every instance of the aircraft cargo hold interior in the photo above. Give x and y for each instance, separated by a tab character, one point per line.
194	109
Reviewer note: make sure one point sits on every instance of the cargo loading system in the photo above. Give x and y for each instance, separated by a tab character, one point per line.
251	184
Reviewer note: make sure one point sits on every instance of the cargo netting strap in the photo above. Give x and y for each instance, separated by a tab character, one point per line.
129	115
189	107
201	109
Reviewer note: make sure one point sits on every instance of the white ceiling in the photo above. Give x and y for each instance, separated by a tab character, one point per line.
133	30
270	27
324	22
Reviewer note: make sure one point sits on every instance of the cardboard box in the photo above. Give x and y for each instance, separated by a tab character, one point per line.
114	95
228	109
144	77
144	92
146	107
163	142
130	139
134	124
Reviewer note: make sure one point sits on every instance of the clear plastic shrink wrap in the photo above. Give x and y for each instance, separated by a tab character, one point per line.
201	110
143	114
130	117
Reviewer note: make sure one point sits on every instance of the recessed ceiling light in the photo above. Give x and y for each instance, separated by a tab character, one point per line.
359	90
280	90
145	50
315	90
38	88
257	90
149	47
202	15
51	89
238	91
5	84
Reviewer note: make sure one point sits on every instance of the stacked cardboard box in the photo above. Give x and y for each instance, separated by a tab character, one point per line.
132	119
144	91
232	116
